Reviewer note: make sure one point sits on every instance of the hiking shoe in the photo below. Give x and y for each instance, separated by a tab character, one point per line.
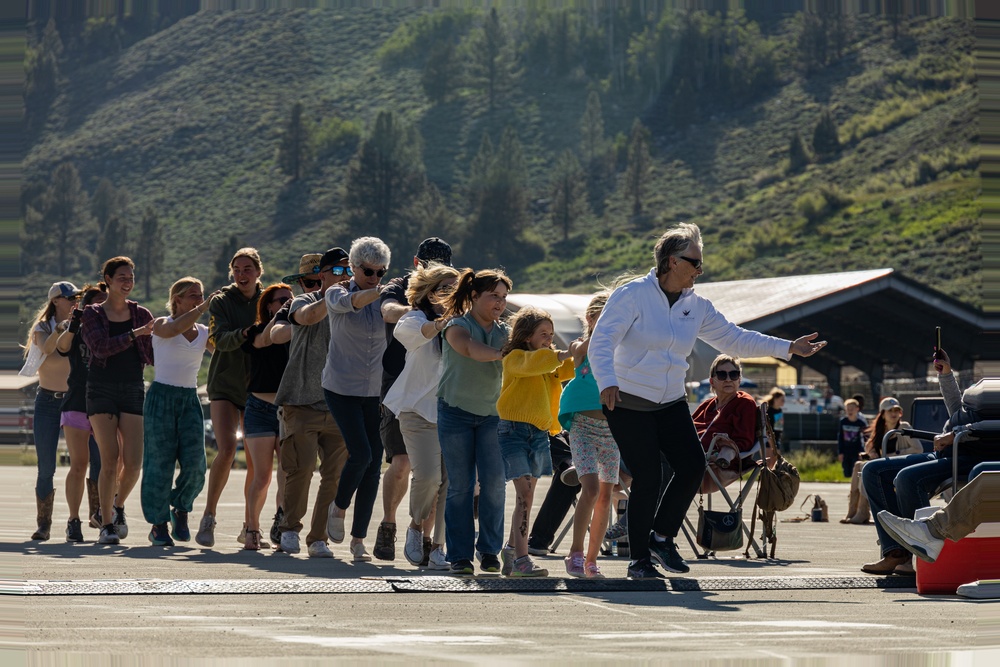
318	549
914	536
290	542
524	567
275	531
413	548
179	529
334	525
74	531
437	560
618	530
159	536
574	564
490	564
665	553
119	521
591	571
206	531
507	557
385	542
644	569
108	535
428	548
360	554
252	542
462	568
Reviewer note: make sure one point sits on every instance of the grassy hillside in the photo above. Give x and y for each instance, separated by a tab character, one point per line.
189	120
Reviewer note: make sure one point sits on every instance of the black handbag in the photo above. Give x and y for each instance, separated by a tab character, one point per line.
720	531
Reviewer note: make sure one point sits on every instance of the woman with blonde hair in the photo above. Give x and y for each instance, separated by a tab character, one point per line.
173	423
232	312
413	399
117	333
53	372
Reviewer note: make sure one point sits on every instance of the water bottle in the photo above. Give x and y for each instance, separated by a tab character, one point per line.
614	548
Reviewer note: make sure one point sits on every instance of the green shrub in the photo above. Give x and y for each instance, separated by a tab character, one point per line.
336	136
410	43
812	206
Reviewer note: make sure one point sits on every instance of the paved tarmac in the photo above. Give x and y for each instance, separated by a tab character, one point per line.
193	605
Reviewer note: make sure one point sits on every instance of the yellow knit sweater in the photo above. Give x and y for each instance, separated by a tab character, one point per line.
532	384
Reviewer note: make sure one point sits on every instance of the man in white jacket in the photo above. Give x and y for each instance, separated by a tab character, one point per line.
638	353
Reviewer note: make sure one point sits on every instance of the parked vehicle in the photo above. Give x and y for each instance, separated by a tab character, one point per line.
802	399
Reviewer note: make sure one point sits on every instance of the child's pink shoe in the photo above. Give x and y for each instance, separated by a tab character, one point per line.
591	571
574	564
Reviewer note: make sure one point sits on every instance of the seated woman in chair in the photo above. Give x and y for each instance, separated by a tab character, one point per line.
730	412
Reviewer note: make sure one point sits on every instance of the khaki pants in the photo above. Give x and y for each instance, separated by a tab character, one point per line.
976	503
308	432
430	480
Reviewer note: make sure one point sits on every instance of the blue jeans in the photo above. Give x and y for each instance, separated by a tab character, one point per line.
469	445
904	484
358	418
48	410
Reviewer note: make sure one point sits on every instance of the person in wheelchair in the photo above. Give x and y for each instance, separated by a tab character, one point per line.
903	484
728	418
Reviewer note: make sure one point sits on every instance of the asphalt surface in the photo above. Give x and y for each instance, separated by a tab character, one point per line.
811	605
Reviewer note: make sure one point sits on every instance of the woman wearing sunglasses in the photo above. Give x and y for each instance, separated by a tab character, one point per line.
352	379
260	420
729	411
638	354
173	421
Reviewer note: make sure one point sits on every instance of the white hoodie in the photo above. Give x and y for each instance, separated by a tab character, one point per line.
641	343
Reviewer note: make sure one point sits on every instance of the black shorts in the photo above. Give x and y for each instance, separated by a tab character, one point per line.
392	438
115	398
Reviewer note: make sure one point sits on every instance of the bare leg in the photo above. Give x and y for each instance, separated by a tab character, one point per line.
261	449
600	522
106	435
584	510
525	489
225	420
394	484
130	427
78	444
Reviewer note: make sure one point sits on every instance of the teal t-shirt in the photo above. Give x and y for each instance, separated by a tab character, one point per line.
580	394
473	386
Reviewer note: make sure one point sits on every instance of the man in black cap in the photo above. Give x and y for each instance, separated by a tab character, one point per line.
306	423
394	482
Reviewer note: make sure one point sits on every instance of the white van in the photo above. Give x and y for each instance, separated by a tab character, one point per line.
801	399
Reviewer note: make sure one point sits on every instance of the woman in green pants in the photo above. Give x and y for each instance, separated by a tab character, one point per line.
173	422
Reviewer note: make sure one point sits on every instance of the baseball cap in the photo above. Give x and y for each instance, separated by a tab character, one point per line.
434	249
64	289
889	403
308	265
332	257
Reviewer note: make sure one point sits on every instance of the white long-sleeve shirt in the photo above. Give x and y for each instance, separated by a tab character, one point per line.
641	343
415	390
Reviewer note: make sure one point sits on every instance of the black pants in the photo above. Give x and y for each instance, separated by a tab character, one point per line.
558	499
642	438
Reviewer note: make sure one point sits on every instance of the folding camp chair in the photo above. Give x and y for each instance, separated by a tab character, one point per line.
751	462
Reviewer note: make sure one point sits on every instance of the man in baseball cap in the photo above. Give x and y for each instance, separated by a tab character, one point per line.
64	289
433	249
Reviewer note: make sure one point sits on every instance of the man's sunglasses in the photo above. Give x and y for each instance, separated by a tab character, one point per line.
373	272
722	376
696	263
308	283
339	270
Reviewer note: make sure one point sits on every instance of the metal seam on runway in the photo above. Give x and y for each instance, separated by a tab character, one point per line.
439	584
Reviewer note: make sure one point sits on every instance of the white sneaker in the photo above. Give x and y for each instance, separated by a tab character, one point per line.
413	550
206	531
290	542
914	536
437	560
361	554
318	549
334	525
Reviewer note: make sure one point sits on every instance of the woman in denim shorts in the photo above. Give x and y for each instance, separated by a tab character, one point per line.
117	333
260	420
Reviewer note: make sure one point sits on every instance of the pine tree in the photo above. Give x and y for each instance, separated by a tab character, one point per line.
295	149
384	178
499	194
107	202
569	202
66	219
798	156
440	75
492	60
826	140
639	163
592	140
113	241
150	248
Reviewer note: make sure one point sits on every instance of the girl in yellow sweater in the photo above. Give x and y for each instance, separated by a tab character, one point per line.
533	373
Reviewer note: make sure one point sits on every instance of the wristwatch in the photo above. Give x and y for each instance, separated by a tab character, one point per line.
131	334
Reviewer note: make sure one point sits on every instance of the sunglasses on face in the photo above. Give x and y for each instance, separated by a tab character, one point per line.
310	284
340	270
722	376
373	272
696	263
281	300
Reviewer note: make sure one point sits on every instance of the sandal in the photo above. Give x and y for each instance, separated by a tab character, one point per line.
252	541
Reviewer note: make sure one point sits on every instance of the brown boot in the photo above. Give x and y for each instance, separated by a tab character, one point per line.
864	513
44	516
95	504
852	505
888	564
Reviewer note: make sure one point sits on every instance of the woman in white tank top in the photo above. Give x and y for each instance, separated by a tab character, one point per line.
173	422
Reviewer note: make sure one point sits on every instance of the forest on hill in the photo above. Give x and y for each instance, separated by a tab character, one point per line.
557	143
